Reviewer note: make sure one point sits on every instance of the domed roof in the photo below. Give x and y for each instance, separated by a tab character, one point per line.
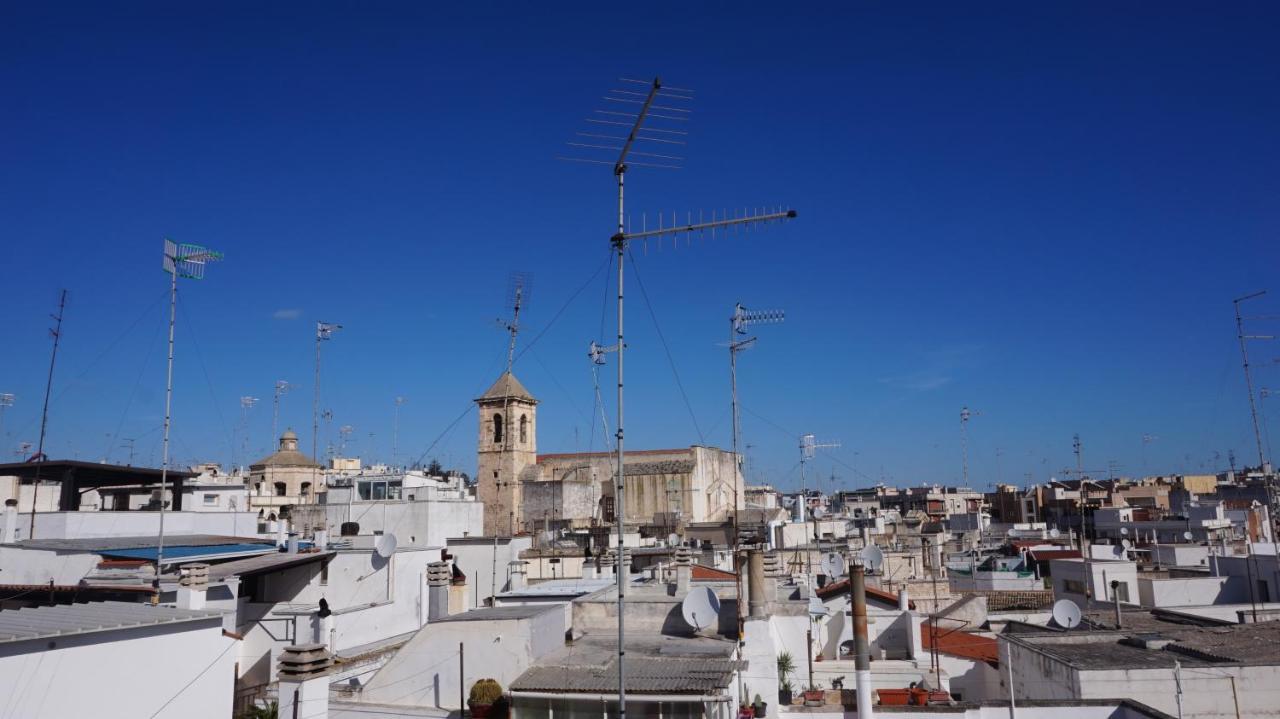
289	434
287	455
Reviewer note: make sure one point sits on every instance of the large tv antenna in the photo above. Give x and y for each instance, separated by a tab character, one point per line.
654	119
324	332
1248	376
187	261
519	289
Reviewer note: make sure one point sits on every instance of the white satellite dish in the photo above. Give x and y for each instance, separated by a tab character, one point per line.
1066	614
872	557
1054	533
1186	536
833	565
385	545
1011	532
673	540
1126	543
817	608
701	608
1124	531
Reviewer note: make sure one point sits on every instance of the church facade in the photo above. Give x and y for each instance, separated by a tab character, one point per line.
523	491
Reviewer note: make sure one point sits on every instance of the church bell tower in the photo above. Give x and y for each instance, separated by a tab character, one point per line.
508	444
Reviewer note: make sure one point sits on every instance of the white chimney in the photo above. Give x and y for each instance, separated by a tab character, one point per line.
292	543
193	586
904	602
684	570
516	570
282	530
321	539
304	681
10	533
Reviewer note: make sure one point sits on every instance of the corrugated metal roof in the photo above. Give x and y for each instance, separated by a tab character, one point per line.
645	675
98	544
264	563
63	620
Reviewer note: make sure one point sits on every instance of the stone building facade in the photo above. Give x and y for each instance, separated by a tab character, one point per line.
506	447
285	478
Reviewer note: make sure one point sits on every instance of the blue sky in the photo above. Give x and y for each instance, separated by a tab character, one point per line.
1042	213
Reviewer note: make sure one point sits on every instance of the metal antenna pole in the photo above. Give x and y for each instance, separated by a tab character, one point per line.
6	401
619	493
395	432
324	330
281	387
1248	376
44	413
188	261
1077	447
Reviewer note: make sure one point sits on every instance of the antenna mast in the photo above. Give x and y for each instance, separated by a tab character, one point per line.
1077	448
395	432
44	413
1248	376
281	387
808	449
648	107
186	261
324	331
6	401
965	414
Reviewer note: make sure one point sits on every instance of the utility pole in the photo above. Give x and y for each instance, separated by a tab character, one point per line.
187	261
44	413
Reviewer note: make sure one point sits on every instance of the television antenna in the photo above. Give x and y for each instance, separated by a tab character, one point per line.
965	415
655	120
246	404
1066	614
6	401
519	289
185	261
280	388
324	332
1077	447
1146	440
1248	376
344	432
395	432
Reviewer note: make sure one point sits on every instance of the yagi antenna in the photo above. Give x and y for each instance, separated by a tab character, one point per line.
519	290
643	124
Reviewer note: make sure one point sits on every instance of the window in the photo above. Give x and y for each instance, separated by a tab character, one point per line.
524	429
210	500
280	489
306	489
497	428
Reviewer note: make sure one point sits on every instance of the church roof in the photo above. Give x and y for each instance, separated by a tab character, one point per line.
285	458
507	387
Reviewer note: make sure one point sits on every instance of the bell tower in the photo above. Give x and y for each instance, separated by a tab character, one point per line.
508	444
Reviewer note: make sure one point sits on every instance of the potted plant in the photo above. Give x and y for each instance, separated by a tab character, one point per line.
759	707
485	693
814	697
745	711
786	666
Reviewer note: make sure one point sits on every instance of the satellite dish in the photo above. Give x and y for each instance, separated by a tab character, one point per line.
1066	614
701	608
1119	551
819	512
385	545
673	540
1186	536
1126	543
833	564
1124	531
817	608
1054	533
1010	532
872	557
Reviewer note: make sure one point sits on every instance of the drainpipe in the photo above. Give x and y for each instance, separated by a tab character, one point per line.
861	648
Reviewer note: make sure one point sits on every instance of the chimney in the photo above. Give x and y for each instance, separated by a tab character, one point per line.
904	602
606	564
438	577
773	572
684	570
304	685
291	543
10	533
192	586
516	571
321	538
755	588
282	530
861	648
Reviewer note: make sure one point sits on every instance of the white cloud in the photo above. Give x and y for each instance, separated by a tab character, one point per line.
287	314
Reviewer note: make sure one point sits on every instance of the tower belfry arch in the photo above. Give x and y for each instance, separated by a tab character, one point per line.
506	447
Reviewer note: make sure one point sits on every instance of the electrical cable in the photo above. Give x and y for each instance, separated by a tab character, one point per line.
670	360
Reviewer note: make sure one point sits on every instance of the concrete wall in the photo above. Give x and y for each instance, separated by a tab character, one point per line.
73	525
422	523
1192	591
475	556
427	671
122	674
39	566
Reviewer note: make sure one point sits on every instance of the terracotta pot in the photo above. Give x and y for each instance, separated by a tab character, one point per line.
814	698
480	711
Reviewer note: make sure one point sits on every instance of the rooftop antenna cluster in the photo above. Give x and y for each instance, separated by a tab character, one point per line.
1244	338
965	415
186	261
642	124
324	332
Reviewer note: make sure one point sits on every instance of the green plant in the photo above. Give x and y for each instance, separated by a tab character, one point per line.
485	691
272	711
757	701
786	667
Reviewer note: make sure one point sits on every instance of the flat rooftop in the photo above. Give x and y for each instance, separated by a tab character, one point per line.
493	614
65	620
656	664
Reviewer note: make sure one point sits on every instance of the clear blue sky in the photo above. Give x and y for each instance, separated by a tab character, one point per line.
1040	213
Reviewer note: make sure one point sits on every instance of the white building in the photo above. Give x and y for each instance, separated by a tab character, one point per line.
115	660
